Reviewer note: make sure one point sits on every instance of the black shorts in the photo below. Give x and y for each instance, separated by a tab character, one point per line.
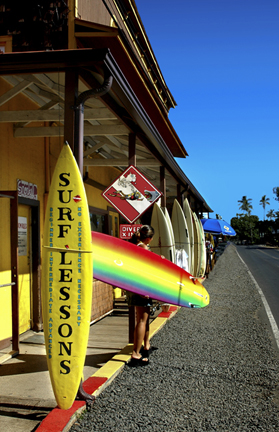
137	300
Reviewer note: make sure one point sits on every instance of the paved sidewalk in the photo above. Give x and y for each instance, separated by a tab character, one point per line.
27	402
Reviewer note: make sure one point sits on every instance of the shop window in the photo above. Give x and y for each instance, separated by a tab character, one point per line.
98	222
104	221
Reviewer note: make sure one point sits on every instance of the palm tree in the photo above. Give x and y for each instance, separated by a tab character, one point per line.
264	201
276	192
270	215
245	204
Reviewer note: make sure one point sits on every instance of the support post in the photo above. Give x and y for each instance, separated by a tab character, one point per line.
178	194
132	149
132	161
14	271
163	186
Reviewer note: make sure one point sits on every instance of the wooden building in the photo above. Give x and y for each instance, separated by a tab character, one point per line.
81	71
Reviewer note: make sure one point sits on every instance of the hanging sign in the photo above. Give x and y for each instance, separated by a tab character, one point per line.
27	190
127	230
131	194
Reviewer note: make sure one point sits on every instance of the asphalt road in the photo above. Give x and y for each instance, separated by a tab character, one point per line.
263	263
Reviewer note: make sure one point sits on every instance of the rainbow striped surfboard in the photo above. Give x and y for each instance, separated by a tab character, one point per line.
135	269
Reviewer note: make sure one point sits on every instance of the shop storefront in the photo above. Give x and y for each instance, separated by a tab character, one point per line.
124	122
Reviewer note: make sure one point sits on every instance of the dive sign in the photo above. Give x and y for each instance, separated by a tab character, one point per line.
67	269
131	194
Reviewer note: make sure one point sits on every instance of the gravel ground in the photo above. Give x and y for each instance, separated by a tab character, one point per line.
216	368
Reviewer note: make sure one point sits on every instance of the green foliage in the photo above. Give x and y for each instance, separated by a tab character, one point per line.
271	214
267	231
276	192
245	204
250	228
246	228
264	201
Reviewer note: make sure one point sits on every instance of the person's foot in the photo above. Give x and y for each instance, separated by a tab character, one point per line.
145	354
135	362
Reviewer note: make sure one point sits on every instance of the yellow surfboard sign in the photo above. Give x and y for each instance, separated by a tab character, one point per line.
67	278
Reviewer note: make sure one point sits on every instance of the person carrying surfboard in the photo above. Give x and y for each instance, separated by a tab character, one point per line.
140	357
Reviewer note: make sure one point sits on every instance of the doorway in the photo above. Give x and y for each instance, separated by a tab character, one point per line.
29	261
24	268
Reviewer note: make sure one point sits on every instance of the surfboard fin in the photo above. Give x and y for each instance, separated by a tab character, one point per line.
196	278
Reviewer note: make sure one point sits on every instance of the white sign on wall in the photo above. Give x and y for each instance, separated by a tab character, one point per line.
27	190
22	236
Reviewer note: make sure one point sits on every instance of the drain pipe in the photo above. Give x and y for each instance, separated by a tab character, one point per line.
78	152
79	117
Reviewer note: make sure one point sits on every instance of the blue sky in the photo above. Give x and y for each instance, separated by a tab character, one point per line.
220	60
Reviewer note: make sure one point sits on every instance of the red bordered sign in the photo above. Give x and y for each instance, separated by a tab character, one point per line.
126	231
131	194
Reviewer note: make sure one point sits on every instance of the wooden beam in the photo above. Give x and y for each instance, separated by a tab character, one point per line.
49	95
119	162
14	91
31	115
117	129
52	115
46	83
72	43
92	149
95	34
123	149
46	107
56	131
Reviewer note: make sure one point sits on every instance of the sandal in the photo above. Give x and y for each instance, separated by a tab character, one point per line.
135	362
145	353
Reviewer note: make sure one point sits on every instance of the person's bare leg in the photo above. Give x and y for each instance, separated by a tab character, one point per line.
146	336
140	330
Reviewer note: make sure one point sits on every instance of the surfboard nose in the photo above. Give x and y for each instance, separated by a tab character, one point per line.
206	298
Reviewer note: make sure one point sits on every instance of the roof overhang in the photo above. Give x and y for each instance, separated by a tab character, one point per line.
94	35
122	99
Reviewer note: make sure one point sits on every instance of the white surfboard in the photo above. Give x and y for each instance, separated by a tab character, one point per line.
197	245
181	236
203	251
168	219
188	216
162	242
